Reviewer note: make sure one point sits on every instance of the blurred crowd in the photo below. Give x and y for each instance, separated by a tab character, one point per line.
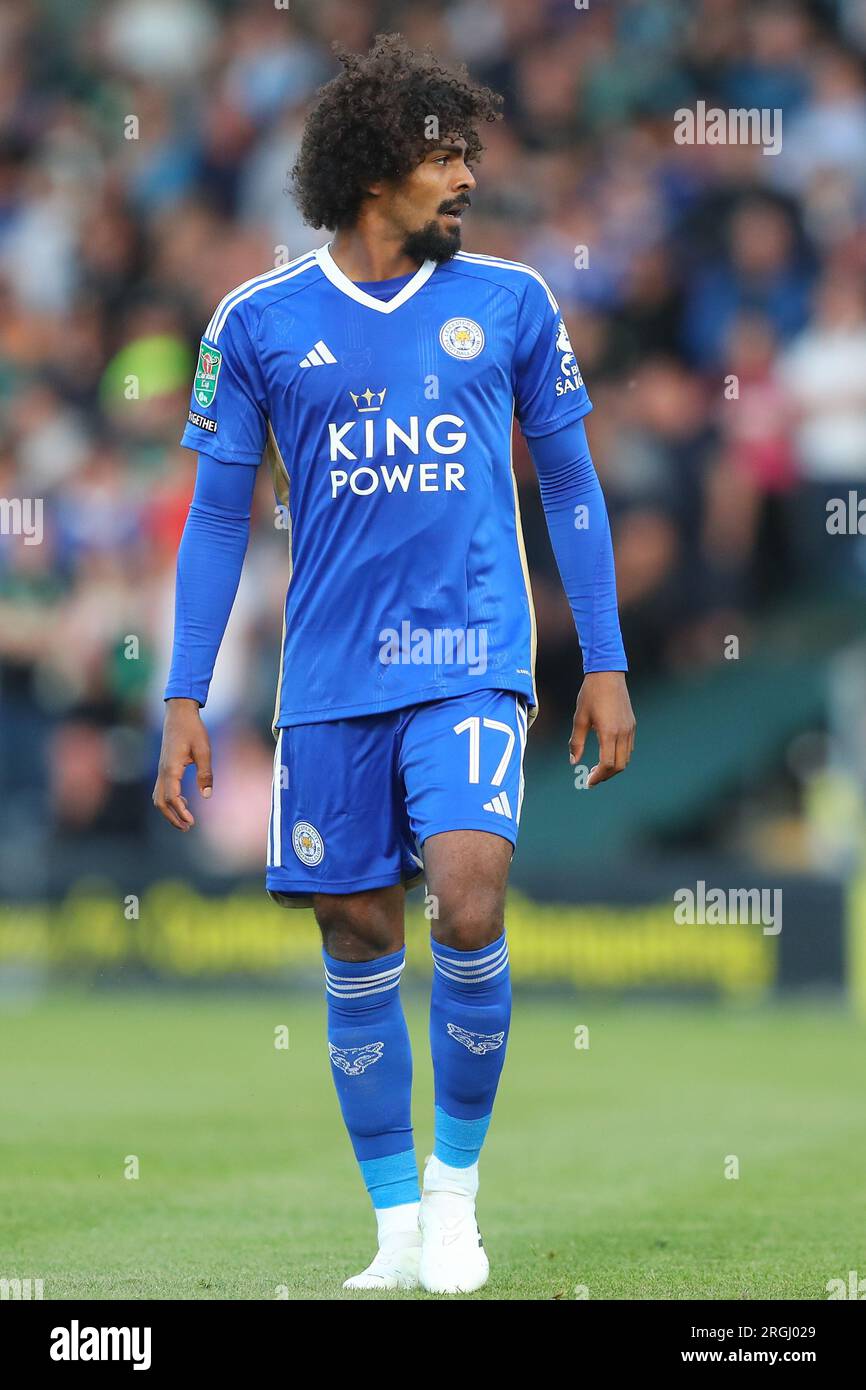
714	294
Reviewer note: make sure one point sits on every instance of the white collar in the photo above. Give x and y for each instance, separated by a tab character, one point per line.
342	282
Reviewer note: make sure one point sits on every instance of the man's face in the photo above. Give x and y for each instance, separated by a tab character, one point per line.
426	206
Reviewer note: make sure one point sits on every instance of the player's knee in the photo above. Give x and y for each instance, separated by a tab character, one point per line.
357	930
469	920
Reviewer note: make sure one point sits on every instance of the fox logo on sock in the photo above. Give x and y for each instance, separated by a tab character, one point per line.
354	1061
479	1043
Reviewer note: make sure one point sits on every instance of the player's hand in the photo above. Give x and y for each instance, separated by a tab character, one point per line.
184	741
603	705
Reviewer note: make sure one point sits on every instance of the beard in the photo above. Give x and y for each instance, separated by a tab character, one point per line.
432	244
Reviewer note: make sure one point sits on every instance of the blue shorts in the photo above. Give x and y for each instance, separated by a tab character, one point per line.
353	800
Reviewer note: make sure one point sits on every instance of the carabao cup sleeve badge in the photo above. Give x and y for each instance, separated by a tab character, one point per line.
206	373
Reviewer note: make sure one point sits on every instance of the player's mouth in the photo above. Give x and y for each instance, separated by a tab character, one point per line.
455	214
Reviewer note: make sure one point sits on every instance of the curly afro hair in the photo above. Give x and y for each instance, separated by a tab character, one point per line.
371	123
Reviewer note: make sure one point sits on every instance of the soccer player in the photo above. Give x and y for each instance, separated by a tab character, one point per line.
380	374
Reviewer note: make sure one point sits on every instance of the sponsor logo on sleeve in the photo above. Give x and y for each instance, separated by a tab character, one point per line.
570	378
202	422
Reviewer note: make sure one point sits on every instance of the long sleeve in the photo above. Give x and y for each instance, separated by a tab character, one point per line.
209	564
580	534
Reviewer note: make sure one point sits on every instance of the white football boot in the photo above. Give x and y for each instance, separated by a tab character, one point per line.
453	1259
395	1265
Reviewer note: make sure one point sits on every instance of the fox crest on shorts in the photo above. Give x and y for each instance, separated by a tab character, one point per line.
307	843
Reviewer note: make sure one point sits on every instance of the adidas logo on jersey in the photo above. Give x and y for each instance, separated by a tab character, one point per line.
319	356
500	805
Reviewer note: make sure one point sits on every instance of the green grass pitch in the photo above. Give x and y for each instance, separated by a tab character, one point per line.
604	1169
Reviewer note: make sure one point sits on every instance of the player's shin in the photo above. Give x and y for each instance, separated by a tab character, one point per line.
371	1062
470	1011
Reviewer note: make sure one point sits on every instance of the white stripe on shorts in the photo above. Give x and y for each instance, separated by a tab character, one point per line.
521	729
275	845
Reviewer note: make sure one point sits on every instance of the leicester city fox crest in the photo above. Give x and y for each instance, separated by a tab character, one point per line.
479	1043
354	1061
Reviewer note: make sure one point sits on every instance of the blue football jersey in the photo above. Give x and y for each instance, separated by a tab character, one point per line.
387	424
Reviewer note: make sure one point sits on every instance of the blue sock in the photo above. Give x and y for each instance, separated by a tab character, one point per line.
470	1010
371	1063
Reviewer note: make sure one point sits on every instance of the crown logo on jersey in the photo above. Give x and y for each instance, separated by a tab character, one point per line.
368	397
